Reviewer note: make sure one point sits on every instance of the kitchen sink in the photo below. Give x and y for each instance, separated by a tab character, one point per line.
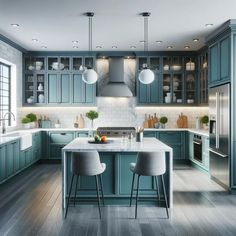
25	139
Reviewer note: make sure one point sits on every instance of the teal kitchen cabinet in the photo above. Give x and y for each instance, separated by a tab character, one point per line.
13	157
190	145
3	162
36	139
219	58
82	93
176	140
59	88
205	152
150	134
56	141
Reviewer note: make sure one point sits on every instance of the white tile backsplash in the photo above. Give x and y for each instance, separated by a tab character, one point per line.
116	112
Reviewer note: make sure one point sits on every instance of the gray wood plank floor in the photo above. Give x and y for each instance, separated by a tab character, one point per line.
30	204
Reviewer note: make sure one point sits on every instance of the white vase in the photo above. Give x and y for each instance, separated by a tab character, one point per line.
26	126
41	98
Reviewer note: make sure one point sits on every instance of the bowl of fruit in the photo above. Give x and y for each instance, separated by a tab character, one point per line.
99	139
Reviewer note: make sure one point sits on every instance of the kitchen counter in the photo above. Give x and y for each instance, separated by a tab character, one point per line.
117	155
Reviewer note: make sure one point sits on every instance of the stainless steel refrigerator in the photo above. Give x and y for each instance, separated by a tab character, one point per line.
219	150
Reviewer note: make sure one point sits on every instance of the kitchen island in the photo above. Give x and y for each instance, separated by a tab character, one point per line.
117	177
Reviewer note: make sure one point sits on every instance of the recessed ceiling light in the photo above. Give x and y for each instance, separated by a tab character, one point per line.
208	25
142	41
15	25
169	47
99	47
75	47
114	47
159	41
186	47
35	40
132	47
195	40
75	41
44	47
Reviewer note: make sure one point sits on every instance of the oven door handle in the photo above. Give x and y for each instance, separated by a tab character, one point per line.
198	143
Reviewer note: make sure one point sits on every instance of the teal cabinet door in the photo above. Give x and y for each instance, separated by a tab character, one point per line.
10	160
65	88
190	145
143	93
36	146
53	95
125	175
176	140
28	156
224	59
16	153
22	160
150	134
77	87
3	166
89	93
213	63
155	90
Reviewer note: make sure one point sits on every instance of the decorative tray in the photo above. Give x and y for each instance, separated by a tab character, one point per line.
94	142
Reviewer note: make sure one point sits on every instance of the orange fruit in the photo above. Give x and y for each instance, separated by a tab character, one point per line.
104	139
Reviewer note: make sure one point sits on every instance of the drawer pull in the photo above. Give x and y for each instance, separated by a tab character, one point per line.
62	133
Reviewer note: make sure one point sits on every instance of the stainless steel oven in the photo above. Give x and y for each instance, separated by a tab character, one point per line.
197	148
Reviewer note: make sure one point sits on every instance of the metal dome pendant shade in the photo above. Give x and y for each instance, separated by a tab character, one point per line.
90	76
146	76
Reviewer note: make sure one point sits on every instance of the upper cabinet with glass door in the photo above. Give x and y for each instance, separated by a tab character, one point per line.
59	63
152	62
34	64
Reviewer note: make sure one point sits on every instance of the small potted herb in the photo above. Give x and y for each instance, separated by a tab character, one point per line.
26	122
163	120
92	115
33	119
205	121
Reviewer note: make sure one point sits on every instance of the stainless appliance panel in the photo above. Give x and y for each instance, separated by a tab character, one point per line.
219	113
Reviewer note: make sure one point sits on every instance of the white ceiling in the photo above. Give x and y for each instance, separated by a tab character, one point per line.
55	23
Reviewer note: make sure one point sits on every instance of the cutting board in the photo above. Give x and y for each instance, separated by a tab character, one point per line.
182	121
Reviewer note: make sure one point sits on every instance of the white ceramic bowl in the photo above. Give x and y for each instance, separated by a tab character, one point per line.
179	100
57	66
166	67
190	101
30	67
176	67
166	88
38	63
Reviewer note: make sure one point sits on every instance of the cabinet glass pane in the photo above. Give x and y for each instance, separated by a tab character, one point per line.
39	63
88	62
53	63
155	63
142	62
40	88
65	63
29	88
29	63
177	88
166	63
190	88
77	63
167	88
177	64
190	64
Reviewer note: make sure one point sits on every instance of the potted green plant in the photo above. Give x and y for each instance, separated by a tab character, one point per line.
163	120
205	121
33	119
92	115
26	122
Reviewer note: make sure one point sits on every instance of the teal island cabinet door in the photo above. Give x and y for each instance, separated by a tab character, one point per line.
3	157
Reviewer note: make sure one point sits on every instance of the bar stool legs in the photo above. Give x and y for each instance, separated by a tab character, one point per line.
76	188
157	187
101	184
132	190
98	196
164	190
71	183
136	207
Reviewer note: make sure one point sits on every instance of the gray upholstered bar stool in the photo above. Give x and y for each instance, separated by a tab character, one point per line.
87	164
149	164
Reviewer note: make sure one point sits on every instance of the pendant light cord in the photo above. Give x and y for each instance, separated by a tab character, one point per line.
145	33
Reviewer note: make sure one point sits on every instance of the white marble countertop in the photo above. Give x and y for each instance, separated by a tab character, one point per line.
118	145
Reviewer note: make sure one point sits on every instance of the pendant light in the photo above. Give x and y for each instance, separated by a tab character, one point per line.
146	76
90	76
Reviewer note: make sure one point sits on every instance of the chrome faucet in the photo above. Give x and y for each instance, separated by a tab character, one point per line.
3	121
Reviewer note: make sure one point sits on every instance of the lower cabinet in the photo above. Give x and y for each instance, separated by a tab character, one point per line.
3	162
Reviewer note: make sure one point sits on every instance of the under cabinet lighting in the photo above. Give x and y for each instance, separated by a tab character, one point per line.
44	47
75	41
142	41
195	40
114	47
186	47
99	47
15	25
169	47
35	40
132	47
159	41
